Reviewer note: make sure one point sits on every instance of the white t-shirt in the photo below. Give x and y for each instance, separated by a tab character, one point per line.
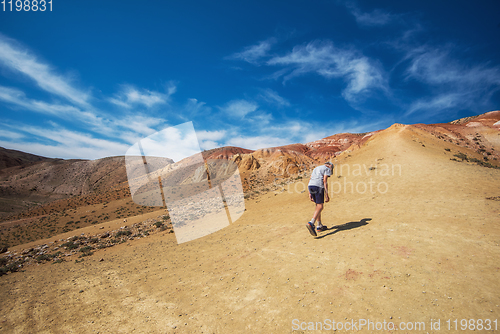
317	176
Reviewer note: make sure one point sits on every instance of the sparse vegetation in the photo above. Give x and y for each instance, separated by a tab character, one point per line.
461	156
86	251
69	245
11	267
483	163
42	258
123	233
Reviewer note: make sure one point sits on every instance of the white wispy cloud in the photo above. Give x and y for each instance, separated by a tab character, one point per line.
210	139
63	143
436	104
11	134
303	132
454	83
133	126
256	142
377	17
210	135
130	96
298	132
295	131
254	53
362	73
119	128
19	59
209	144
260	119
105	134
284	133
272	97
18	99
239	108
438	66
193	107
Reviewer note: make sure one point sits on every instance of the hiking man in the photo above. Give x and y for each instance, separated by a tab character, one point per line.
318	193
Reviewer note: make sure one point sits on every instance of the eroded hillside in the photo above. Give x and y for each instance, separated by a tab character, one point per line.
43	197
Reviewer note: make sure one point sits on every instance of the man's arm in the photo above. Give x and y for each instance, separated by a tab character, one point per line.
325	184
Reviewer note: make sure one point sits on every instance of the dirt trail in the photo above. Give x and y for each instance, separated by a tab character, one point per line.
423	245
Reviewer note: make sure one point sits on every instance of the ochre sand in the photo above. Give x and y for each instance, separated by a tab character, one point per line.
426	249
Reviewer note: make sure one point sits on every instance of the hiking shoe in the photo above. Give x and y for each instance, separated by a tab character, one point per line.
321	228
310	227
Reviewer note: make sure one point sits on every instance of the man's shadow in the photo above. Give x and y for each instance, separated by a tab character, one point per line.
345	227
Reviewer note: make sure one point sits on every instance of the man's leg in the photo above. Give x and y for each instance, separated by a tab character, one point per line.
316	196
317	212
319	226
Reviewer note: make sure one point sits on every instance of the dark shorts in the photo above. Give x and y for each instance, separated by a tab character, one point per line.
318	194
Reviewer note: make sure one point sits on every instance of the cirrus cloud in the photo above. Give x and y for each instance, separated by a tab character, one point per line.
239	108
16	58
362	74
253	54
131	96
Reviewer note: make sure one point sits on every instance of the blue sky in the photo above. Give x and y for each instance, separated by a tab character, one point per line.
91	78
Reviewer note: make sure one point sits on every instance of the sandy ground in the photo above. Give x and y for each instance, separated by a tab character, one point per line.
424	248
